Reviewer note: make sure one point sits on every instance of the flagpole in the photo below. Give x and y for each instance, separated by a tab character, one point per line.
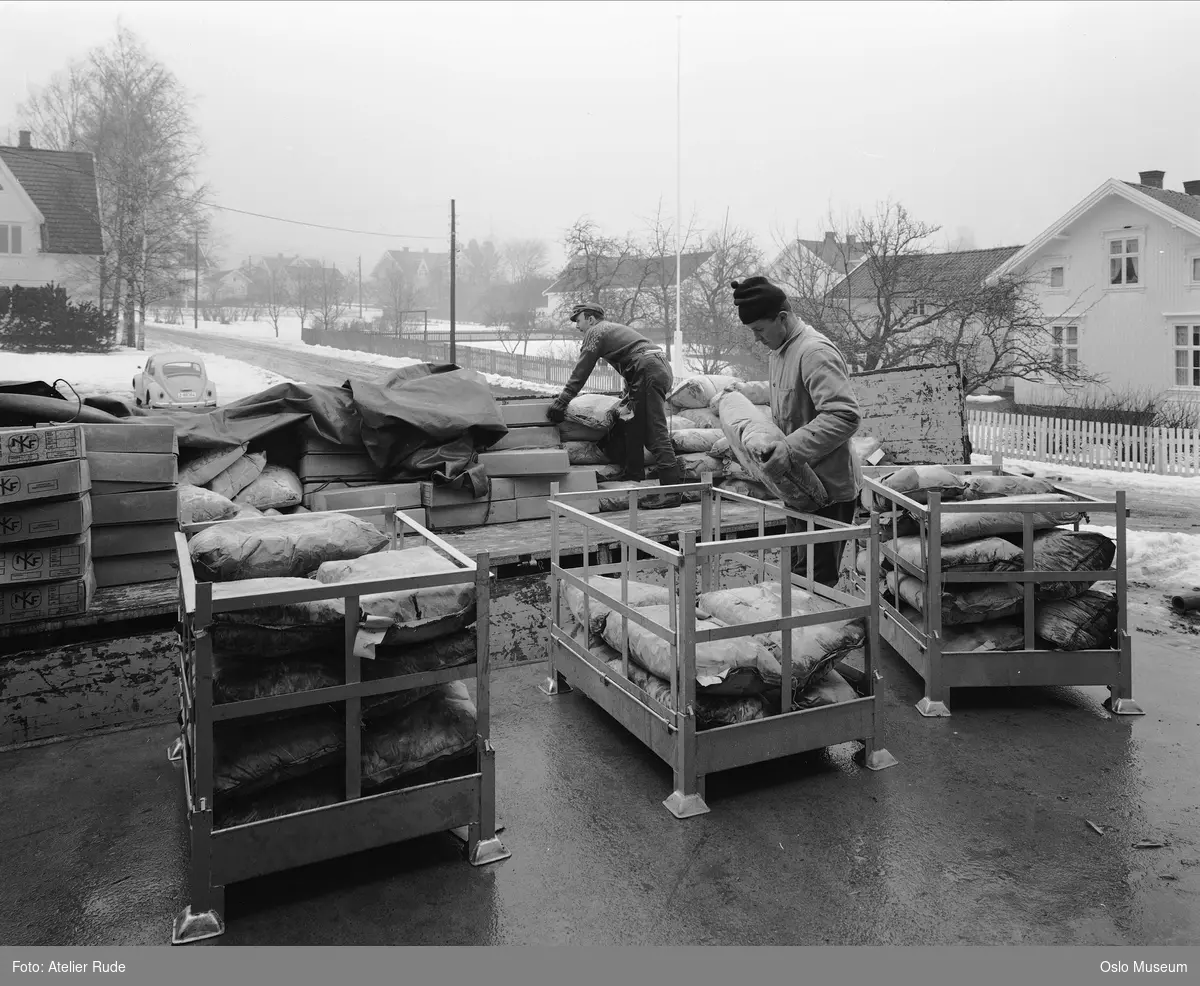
677	350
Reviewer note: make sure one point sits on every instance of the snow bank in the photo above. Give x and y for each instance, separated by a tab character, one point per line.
1114	478
1166	559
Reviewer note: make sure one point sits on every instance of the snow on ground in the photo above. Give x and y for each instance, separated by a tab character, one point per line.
1142	481
984	398
111	374
1166	559
289	326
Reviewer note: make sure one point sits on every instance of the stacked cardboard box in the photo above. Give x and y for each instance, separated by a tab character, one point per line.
324	467
135	502
45	524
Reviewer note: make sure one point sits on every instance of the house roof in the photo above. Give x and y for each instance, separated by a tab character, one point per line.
62	184
841	256
924	269
409	260
1173	206
657	270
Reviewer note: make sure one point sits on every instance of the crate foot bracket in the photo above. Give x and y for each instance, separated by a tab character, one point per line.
196	926
931	709
1123	707
556	684
488	851
686	805
878	760
175	751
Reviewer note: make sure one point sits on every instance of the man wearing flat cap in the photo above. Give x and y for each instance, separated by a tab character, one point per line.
648	379
812	403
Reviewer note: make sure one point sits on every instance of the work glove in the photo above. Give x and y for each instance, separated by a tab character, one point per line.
556	413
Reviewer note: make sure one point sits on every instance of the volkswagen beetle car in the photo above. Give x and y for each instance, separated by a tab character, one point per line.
174	380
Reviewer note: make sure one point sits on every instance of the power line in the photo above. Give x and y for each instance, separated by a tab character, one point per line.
259	215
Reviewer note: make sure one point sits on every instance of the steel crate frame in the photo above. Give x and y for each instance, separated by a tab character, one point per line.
673	735
920	645
465	806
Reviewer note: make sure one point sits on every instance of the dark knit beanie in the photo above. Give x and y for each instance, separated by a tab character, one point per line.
756	298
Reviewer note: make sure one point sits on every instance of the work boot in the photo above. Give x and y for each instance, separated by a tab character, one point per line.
660	501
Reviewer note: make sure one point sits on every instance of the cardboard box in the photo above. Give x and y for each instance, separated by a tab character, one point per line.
46	600
45	443
134	467
312	445
45	561
538	507
574	481
534	462
340	466
547	437
433	495
526	412
407	495
51	479
131	438
43	519
110	489
133	539
135	569
472	514
135	508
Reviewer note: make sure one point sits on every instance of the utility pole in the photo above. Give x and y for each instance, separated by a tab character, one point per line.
679	361
196	285
360	314
453	265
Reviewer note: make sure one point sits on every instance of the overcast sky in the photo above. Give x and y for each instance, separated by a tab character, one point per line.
989	120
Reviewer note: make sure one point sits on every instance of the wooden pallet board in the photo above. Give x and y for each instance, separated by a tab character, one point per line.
526	412
576	480
406	495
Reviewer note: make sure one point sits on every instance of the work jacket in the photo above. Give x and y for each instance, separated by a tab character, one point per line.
814	405
617	344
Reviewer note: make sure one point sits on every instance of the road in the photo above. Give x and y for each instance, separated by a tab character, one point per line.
286	360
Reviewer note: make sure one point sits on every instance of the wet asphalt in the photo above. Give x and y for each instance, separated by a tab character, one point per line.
979	836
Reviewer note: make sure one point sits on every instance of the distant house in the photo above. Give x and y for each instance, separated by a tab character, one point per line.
1119	278
829	260
283	277
231	285
49	217
420	277
612	280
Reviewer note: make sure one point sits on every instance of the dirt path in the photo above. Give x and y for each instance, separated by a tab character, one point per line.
289	361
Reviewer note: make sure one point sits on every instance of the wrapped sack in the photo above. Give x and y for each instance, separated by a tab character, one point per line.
270	547
711	710
609	504
699	417
584	454
231	481
609	471
752	436
1070	551
596	411
396	657
639	594
277	631
916	483
247	512
250	755
571	431
747	487
208	465
985	555
698	391
993	635
738	666
273	489
721	449
693	467
814	648
756	391
403	605
695	439
830	689
979	604
956	527
200	506
1086	622
735	470
987	487
438	726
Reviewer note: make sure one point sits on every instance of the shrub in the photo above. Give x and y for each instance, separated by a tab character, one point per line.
44	320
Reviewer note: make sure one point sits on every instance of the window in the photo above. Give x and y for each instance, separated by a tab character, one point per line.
10	239
1123	258
1056	277
1187	356
181	369
1064	347
1196	270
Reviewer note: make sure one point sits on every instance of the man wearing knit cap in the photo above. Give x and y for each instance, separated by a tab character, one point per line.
812	403
648	379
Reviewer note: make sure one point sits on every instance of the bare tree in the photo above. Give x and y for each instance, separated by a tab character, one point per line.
396	295
278	296
609	270
514	305
718	340
332	296
660	264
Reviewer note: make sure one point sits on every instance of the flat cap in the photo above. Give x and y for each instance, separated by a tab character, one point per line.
586	308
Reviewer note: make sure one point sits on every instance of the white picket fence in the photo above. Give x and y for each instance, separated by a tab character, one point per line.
1096	445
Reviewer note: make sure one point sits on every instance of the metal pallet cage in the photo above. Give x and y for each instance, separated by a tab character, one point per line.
698	563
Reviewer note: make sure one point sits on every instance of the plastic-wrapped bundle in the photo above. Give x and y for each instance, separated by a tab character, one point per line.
979	604
404	605
254	754
698	391
441	725
283	630
598	411
695	439
738	666
711	710
1070	551
747	487
956	527
814	648
698	417
1086	622
572	431
752	436
239	474
917	482
397	657
280	546
693	466
986	487
992	554
722	449
201	506
584	454
756	391
609	504
208	465
639	594
830	689
274	488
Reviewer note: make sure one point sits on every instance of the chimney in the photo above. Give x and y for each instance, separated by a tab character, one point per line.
24	136
831	238
1151	179
1192	188
406	249
850	239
